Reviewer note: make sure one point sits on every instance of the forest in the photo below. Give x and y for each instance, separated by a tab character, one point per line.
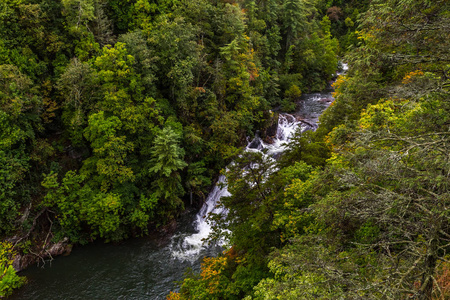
115	116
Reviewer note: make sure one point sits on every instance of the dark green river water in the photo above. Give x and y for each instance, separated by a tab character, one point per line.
139	268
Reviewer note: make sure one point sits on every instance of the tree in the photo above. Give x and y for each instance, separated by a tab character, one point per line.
250	210
110	151
296	15
174	43
79	16
78	203
22	31
79	13
119	81
414	31
145	59
78	87
165	164
19	120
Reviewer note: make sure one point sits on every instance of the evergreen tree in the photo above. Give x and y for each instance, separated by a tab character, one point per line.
165	164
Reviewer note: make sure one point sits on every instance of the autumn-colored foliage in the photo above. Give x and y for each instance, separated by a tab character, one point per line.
442	284
173	296
410	76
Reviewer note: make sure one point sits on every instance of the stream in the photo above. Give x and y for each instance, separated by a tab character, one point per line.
148	267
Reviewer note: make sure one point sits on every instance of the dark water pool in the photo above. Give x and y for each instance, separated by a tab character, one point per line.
139	268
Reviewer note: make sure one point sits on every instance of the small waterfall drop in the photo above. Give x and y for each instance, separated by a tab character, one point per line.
189	247
287	126
344	69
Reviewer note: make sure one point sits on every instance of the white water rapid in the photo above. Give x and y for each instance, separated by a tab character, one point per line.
189	247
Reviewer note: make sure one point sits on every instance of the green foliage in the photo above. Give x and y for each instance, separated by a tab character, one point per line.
380	197
12	171
78	88
166	161
22	31
78	13
299	273
196	179
145	59
296	19
291	96
250	213
110	151
18	123
9	280
293	216
251	208
119	82
78	204
18	107
307	146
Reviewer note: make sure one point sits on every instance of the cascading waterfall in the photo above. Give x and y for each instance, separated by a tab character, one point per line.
287	126
189	247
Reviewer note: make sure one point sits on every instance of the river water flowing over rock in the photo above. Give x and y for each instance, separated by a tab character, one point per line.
189	247
147	268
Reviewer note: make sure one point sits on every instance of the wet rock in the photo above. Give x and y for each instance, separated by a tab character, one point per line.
60	248
51	250
21	262
309	123
255	144
326	100
268	140
272	129
169	228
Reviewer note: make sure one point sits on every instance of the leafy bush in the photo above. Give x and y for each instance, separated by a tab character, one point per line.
9	280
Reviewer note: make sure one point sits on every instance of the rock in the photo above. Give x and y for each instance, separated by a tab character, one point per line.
255	143
268	140
312	125
21	262
52	250
60	248
272	129
169	228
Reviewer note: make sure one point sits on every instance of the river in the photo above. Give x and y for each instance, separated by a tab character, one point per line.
148	267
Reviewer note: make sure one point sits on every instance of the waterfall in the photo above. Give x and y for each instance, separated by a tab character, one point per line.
188	247
287	126
344	69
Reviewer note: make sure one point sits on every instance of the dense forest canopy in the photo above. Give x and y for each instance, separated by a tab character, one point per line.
117	114
112	111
